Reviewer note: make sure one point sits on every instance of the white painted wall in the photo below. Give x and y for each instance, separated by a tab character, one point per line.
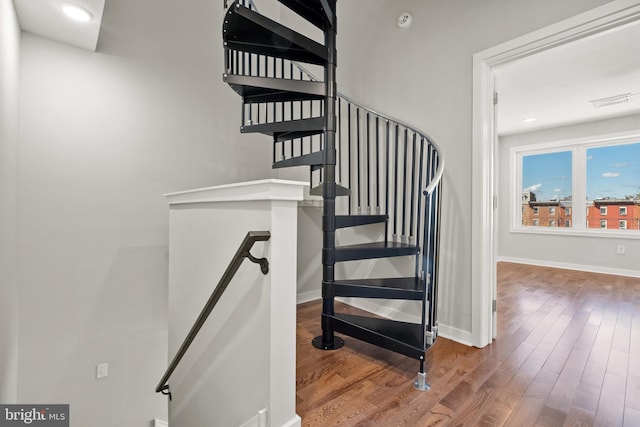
9	66
102	136
583	252
424	76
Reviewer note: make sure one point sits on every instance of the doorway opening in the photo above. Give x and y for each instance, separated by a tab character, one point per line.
484	199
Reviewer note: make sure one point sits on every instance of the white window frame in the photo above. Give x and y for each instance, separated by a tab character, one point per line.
603	210
552	210
603	222
622	224
623	211
578	148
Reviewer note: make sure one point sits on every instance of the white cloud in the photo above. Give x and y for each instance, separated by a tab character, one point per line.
557	190
534	187
610	174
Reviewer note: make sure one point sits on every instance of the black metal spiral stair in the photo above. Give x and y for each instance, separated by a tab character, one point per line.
369	169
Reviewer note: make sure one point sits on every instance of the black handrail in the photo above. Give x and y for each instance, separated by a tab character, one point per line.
234	265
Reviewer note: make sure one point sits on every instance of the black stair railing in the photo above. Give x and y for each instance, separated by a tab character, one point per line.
235	263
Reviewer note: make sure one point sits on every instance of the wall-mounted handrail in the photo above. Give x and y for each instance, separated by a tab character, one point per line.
234	265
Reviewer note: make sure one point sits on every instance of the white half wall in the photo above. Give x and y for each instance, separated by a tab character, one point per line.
243	360
576	252
9	66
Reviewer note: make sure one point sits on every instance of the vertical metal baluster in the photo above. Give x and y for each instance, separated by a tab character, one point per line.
413	188
395	186
349	153
418	218
387	180
339	140
404	186
274	150
274	103
321	147
312	137
368	167
358	158
282	102
301	115
377	165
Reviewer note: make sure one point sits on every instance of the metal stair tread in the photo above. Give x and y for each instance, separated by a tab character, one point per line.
410	288
307	127
311	10
309	159
344	221
248	31
340	190
374	250
255	89
403	337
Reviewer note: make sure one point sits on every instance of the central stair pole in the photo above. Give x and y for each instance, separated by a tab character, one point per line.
328	341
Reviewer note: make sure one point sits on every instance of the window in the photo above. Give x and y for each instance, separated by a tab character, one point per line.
598	177
545	177
536	222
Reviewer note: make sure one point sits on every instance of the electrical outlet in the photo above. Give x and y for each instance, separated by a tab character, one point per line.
102	370
620	250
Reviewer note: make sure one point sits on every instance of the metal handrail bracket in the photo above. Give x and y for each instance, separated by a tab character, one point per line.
234	265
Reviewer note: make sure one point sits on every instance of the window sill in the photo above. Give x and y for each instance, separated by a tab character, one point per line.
597	233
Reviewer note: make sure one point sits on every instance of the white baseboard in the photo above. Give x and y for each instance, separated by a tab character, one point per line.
454	334
293	422
372	306
258	420
567	266
308	296
160	423
449	332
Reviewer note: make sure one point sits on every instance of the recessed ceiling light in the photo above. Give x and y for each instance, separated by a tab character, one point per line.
76	12
529	119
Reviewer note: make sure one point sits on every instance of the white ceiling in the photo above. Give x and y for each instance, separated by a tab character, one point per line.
45	18
555	86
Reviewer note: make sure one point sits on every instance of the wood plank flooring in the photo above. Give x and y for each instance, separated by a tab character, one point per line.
567	354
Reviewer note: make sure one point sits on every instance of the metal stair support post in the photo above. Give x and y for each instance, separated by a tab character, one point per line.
328	341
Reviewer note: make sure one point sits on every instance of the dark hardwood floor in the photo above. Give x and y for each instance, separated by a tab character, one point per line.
567	354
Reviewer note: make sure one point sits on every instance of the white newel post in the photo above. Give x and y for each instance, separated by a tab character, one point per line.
243	361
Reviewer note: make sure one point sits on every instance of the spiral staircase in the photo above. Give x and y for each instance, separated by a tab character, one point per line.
368	168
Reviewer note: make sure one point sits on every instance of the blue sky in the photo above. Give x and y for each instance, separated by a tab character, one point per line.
612	171
548	175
